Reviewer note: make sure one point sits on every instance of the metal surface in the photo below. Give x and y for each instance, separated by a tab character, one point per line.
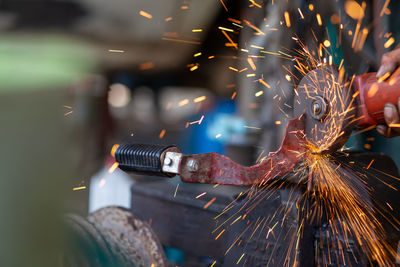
214	168
327	103
171	162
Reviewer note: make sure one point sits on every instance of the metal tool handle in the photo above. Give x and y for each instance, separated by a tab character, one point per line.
148	159
374	95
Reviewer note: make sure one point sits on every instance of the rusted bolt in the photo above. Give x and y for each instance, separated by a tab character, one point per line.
192	165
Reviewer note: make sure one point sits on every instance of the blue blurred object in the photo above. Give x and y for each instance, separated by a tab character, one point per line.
174	255
220	120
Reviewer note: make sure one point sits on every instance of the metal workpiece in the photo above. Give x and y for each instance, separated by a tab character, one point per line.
171	162
214	168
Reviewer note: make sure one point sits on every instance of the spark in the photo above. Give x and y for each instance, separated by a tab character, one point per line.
180	41
183	102
384	8
168	19
381	79
226	29
278	122
354	10
231	68
327	43
264	83
78	188
209	203
230	40
259	93
233	95
116	51
259	32
199	99
389	42
145	14
240	259
251	63
194	68
162	133
113	149
287	19
176	190
252	127
212	265
369	165
311	7
319	20
113	167
301	13
202	194
218	136
223	230
223	4
255	46
197	54
146	66
197	30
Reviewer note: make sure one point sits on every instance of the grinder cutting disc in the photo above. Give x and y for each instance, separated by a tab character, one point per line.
329	108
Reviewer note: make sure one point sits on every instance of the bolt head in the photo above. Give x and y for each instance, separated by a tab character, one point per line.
192	165
319	108
168	161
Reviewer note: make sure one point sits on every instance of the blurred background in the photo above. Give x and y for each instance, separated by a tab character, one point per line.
80	76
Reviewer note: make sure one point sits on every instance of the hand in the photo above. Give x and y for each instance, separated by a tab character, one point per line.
390	62
391	113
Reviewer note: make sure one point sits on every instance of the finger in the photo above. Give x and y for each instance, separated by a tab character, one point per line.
391	114
386	131
392	119
382	130
389	63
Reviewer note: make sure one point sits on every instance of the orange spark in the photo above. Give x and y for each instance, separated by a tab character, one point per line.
219	234
389	42
319	20
183	102
162	133
251	63
199	99
287	19
145	14
229	39
113	167
223	4
209	203
113	149
180	41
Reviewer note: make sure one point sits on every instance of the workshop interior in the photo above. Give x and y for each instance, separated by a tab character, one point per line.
200	133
